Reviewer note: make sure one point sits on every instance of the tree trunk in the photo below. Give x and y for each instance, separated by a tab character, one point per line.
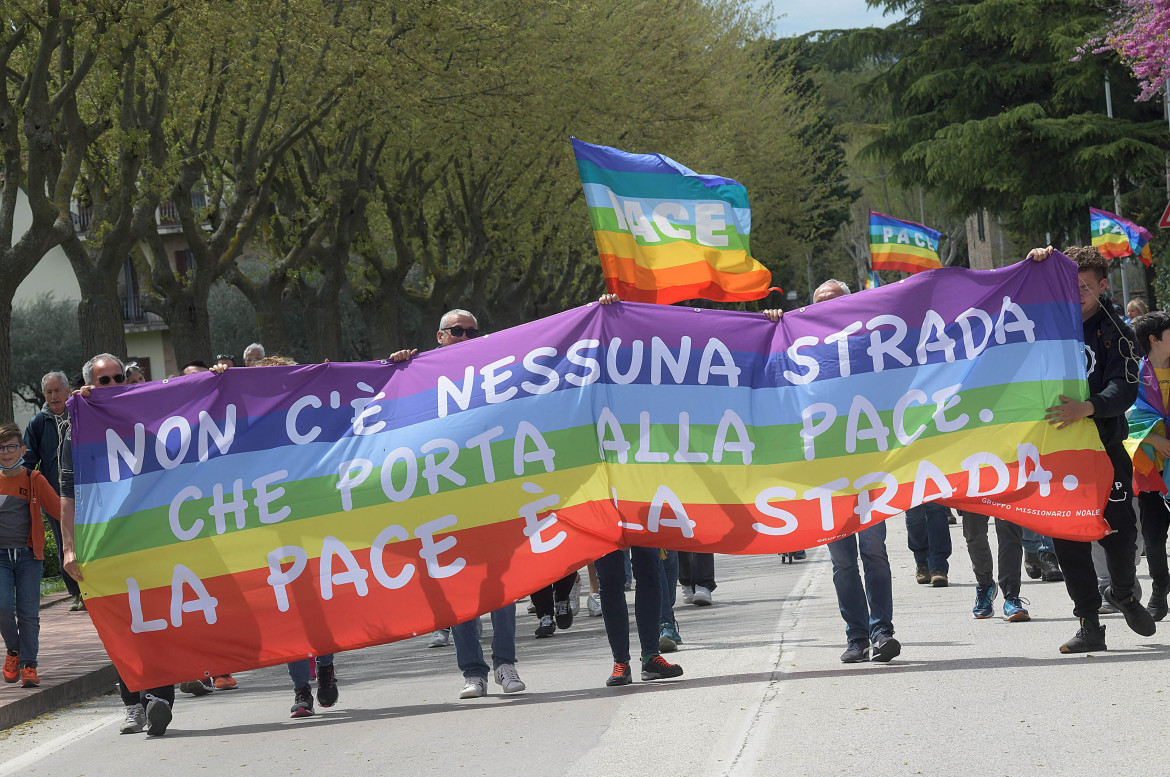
99	313
6	356
186	315
382	315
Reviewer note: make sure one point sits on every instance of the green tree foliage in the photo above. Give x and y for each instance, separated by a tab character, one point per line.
45	338
988	110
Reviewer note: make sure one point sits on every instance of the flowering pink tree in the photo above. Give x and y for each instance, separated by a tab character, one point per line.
1140	34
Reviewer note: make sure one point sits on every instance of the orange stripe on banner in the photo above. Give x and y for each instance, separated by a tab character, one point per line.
691	281
502	564
904	263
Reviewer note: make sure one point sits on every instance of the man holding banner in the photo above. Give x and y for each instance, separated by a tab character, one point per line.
1112	364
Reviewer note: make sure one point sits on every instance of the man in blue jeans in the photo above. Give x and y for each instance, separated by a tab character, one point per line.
929	536
868	609
611	574
459	326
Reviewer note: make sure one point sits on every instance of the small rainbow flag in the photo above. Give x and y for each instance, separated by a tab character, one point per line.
1116	237
901	245
873	280
666	233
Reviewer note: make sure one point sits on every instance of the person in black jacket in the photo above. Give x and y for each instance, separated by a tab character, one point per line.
1112	362
42	441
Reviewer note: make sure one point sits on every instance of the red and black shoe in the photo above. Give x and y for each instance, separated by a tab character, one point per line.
621	674
658	668
303	703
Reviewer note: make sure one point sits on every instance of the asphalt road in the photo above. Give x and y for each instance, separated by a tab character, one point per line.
764	693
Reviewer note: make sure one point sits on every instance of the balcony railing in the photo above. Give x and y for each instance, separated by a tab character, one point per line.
132	312
167	214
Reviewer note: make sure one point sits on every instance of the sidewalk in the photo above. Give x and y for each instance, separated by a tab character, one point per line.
72	664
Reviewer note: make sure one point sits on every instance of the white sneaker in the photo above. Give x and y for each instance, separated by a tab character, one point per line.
593	604
441	638
509	679
689	594
575	596
135	721
701	597
476	687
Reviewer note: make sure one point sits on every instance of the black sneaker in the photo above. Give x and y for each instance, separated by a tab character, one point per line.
856	653
1158	607
1032	565
546	628
658	668
564	615
1090	637
1050	568
326	686
1137	617
158	716
621	674
302	703
885	648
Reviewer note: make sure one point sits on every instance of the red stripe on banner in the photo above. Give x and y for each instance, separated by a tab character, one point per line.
698	280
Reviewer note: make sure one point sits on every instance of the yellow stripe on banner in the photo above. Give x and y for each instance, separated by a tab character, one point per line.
883	250
674	254
247	550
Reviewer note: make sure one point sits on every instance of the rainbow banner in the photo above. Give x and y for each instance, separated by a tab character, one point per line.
665	233
232	521
1116	237
901	245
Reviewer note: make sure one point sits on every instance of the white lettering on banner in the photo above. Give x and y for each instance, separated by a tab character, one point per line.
868	505
236	505
354	575
764	505
182	576
533	525
378	565
664	497
365	407
116	451
290	420
139	625
209	432
824	496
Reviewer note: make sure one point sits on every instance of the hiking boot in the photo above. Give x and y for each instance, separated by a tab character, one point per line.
702	596
28	677
593	604
546	628
474	688
939	579
1089	637
984	596
78	604
158	716
620	674
856	653
885	648
11	667
921	575
1050	568
302	702
1157	606
1137	617
1032	565
563	613
196	687
225	682
658	668
135	721
509	679
1013	610
326	685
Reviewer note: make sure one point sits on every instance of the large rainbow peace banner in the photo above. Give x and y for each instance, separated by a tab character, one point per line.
232	521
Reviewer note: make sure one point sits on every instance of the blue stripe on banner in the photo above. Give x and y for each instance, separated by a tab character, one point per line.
760	407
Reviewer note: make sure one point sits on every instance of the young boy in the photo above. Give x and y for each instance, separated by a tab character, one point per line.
23	495
1150	447
1112	366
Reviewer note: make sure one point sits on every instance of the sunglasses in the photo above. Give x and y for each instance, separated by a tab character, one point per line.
9	448
458	331
105	380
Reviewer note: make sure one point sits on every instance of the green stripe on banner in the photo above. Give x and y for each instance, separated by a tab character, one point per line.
659	186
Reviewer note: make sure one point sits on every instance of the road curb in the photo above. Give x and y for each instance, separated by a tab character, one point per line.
96	683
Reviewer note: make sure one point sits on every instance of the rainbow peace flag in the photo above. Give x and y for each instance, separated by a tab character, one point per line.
666	233
901	245
1116	237
873	280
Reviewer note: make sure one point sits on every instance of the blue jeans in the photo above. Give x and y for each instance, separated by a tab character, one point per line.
468	652
868	610
929	536
611	576
20	602
1037	543
669	567
299	670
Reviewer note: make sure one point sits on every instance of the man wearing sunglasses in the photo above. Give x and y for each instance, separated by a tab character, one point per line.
148	710
457	326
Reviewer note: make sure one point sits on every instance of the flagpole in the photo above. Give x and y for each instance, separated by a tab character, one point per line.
1116	196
